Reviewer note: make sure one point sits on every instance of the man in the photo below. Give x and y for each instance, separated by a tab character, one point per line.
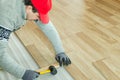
14	14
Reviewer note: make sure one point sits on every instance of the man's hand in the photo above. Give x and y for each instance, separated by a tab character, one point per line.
63	59
30	75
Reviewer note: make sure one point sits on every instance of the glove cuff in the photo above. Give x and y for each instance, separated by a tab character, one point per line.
60	53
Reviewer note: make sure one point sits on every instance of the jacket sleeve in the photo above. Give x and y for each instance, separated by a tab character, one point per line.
50	31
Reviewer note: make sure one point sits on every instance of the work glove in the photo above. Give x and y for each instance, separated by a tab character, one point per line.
30	75
63	59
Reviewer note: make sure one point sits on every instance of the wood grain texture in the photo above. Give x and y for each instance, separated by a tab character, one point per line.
90	33
105	70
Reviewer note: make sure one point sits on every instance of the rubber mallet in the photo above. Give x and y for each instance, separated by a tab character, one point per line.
51	69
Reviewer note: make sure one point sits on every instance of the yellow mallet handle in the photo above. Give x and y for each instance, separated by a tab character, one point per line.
44	72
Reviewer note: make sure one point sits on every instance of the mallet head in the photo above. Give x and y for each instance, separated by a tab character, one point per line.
53	70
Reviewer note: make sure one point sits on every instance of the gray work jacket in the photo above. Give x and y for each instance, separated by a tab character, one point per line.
12	14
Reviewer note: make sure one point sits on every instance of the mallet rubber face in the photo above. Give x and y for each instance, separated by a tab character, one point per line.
53	70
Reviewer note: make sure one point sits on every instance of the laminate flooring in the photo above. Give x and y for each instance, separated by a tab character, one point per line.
90	32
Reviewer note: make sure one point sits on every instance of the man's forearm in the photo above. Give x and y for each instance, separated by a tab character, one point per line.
52	34
7	63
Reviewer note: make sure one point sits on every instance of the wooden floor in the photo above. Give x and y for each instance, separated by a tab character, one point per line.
18	52
90	35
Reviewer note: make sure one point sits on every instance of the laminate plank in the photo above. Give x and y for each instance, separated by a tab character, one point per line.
105	70
40	60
